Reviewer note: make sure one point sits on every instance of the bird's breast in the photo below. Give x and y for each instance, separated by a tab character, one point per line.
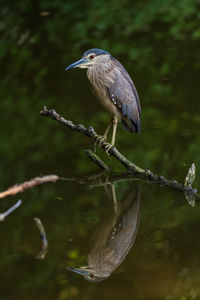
100	82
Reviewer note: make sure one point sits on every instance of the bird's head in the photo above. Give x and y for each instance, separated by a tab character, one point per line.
88	273
91	58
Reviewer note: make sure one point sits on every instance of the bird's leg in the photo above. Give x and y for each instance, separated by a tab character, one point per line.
102	138
115	121
109	146
107	130
115	207
107	192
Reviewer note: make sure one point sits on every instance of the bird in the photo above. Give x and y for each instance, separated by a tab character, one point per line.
114	89
113	239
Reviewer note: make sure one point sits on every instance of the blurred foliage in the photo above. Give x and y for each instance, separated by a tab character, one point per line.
158	42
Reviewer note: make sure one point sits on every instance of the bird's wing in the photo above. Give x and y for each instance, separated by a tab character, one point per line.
123	93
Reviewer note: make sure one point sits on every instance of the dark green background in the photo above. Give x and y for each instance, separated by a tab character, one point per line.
158	43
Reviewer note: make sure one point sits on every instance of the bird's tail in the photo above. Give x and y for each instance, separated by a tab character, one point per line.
131	126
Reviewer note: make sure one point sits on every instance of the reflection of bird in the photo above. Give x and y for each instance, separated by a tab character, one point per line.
114	89
113	239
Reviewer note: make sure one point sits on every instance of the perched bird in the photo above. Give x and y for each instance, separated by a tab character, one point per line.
113	239
114	89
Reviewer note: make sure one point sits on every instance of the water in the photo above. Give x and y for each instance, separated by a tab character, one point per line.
159	258
162	262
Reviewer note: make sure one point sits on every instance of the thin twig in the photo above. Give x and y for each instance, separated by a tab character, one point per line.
40	227
10	210
98	161
19	188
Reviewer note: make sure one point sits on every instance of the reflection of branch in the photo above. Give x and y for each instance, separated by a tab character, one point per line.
131	167
10	210
19	188
40	227
102	179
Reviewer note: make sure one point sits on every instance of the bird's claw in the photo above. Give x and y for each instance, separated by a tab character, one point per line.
99	139
107	147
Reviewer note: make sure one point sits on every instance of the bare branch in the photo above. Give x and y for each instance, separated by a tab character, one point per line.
90	132
131	167
19	188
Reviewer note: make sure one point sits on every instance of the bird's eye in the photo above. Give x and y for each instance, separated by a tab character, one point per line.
91	56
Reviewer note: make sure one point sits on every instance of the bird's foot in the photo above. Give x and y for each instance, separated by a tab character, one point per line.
99	139
107	148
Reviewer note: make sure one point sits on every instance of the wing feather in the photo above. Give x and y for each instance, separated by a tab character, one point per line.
124	94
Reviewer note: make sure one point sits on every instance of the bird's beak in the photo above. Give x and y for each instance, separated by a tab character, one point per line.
81	63
80	271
